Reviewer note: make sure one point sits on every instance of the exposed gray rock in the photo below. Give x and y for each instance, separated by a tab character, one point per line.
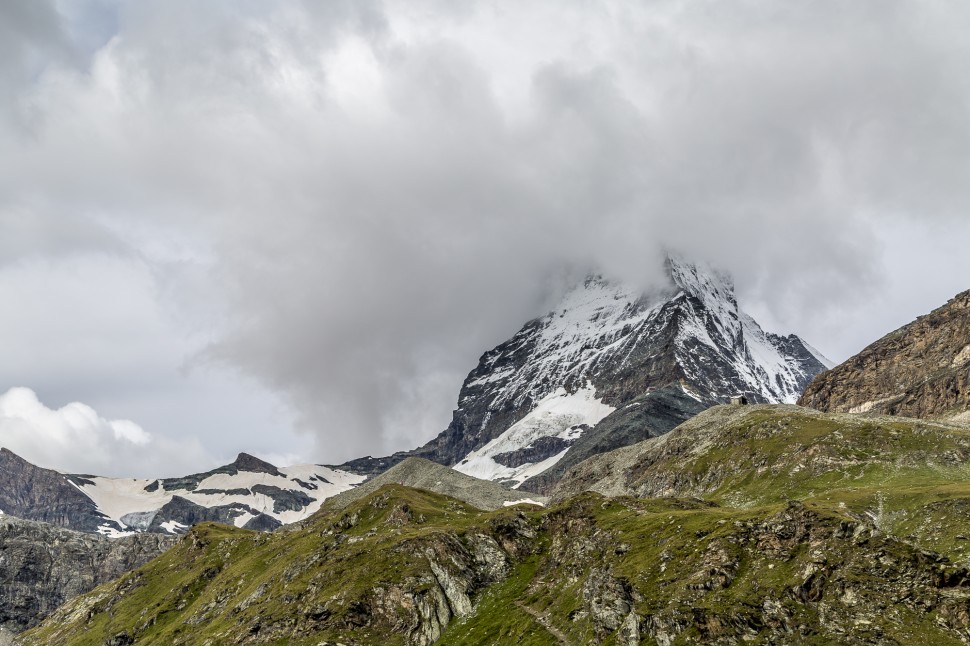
608	600
34	493
283	499
430	476
243	462
187	513
42	566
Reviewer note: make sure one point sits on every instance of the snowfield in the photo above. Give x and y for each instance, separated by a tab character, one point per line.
117	498
562	414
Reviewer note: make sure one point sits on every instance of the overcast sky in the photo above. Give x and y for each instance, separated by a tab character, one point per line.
291	228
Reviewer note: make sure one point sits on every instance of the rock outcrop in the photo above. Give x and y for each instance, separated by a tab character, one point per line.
34	493
42	566
920	370
431	476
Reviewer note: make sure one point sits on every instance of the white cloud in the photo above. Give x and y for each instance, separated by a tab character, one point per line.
75	438
382	190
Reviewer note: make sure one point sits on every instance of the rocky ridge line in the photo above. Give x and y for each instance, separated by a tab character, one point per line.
920	370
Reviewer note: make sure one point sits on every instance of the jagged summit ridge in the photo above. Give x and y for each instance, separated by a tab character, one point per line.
247	462
769	366
600	324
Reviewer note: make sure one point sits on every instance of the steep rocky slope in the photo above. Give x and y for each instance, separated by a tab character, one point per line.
34	493
920	370
610	366
248	492
41	566
808	528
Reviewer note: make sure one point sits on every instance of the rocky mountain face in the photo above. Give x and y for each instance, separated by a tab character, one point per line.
920	370
610	366
775	525
42	566
249	493
34	493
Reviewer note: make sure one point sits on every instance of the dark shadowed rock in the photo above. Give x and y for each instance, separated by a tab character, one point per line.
34	493
186	513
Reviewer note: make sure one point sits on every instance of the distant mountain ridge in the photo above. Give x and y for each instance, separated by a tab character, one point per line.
248	492
419	473
920	370
610	366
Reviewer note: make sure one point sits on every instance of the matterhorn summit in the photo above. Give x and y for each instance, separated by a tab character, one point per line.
608	366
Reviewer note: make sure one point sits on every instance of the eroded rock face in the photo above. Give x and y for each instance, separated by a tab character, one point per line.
421	608
920	370
610	602
42	566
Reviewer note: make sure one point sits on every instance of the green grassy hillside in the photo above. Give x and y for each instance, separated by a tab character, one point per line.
789	526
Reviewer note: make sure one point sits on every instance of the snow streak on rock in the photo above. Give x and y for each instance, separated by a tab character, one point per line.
561	415
759	359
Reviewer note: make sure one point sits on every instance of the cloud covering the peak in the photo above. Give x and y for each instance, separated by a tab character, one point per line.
349	201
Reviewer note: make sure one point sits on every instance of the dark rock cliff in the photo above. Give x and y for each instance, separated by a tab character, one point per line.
34	493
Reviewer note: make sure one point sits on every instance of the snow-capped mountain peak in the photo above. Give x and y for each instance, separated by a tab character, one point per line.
673	352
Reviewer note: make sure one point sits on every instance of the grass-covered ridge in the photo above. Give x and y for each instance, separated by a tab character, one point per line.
801	529
902	475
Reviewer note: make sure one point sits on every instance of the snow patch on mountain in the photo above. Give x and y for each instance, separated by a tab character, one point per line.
561	415
822	359
173	526
590	325
524	501
121	499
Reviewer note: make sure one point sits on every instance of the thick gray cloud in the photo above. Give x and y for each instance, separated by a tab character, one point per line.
348	202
